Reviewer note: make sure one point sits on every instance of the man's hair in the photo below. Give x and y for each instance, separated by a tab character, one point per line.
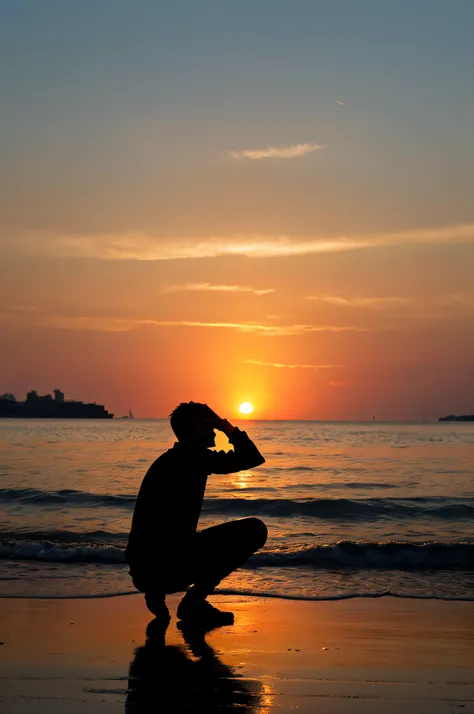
185	416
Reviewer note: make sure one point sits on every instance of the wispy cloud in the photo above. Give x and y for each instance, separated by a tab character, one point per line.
343	385
20	311
27	308
89	323
107	324
143	246
277	152
375	302
425	306
280	365
269	330
208	287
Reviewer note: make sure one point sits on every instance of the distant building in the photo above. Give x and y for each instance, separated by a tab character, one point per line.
33	396
40	407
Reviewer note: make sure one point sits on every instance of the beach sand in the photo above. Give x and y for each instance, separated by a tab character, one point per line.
387	655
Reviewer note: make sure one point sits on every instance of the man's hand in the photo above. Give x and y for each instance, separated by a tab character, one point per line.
226	427
222	424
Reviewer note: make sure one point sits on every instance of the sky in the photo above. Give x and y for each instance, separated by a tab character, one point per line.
265	201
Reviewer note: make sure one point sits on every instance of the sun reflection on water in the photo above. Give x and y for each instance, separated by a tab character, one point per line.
241	480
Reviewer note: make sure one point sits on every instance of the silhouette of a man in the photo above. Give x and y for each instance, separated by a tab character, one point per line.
165	551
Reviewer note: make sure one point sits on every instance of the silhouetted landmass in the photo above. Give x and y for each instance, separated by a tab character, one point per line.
452	417
40	407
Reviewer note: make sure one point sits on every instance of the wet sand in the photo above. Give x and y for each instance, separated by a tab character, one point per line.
391	656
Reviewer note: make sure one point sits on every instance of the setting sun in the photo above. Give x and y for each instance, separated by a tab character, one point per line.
246	408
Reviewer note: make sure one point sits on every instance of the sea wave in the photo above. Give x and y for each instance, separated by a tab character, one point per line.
54	552
264	594
67	496
343	596
97	537
364	509
390	555
346	508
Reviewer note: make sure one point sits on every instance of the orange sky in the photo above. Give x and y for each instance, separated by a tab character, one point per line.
341	335
244	203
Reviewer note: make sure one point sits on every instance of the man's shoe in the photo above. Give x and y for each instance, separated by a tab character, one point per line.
156	604
202	612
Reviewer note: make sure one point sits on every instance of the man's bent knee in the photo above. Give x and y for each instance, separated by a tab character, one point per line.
258	532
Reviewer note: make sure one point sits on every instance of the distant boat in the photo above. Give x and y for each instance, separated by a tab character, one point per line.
452	417
129	415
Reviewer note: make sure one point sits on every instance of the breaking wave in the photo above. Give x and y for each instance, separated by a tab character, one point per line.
327	508
67	496
264	594
342	508
389	555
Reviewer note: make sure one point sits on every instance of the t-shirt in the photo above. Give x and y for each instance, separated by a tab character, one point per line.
170	498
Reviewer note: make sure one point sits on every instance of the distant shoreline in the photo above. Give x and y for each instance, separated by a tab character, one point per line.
382	422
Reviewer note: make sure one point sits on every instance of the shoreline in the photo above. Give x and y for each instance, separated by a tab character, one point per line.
261	596
338	656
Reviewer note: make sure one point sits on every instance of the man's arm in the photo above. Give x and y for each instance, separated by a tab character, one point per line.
245	454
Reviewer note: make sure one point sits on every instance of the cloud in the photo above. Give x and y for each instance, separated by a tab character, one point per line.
108	324
424	306
376	302
27	308
208	287
277	152
89	323
269	330
280	365
144	246
343	385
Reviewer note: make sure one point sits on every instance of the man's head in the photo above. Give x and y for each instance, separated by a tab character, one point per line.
194	423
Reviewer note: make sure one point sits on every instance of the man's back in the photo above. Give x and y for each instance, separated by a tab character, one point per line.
168	505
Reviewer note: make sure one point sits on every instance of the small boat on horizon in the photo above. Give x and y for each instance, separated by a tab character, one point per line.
129	415
453	417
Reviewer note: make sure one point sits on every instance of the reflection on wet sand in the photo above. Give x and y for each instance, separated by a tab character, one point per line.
186	677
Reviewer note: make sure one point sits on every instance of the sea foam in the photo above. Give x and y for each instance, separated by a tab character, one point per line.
389	555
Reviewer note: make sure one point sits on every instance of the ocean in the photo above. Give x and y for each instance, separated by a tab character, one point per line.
352	509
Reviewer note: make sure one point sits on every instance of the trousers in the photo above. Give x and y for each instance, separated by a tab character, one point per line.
212	555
